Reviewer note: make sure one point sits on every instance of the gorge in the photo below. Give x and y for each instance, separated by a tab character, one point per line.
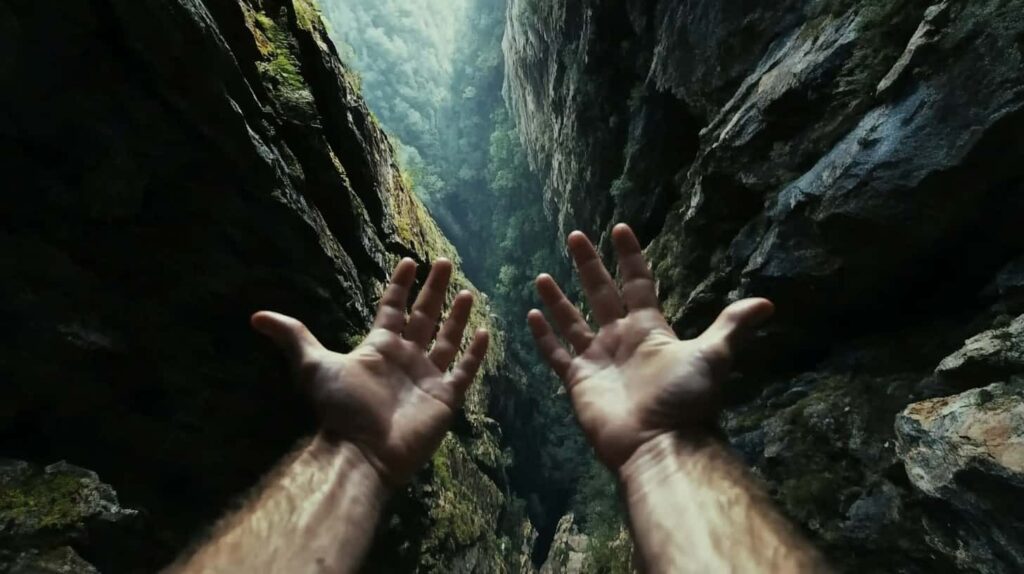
174	165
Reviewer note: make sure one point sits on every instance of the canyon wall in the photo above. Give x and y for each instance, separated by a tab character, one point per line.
858	162
170	168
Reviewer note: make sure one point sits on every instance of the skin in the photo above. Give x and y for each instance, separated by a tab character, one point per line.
383	408
644	398
646	401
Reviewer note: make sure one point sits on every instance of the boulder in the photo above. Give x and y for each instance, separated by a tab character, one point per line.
47	513
968	449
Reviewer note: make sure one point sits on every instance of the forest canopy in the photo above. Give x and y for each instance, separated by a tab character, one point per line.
404	51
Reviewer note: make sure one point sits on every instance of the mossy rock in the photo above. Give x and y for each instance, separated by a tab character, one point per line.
57	501
44	512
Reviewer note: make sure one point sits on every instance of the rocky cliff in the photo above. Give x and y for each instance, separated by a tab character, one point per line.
171	167
857	161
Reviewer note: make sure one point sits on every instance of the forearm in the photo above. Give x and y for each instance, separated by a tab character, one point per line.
317	516
694	508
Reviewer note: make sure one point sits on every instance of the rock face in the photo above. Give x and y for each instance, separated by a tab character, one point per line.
171	167
806	149
859	162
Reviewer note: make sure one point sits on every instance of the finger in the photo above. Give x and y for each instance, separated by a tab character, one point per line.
638	288
450	337
548	345
567	317
427	309
602	293
465	371
734	325
289	334
391	312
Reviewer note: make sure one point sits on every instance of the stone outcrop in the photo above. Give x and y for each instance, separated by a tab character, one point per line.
987	356
858	162
171	167
46	511
968	449
568	549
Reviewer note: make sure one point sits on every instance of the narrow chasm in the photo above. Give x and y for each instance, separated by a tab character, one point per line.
172	166
433	74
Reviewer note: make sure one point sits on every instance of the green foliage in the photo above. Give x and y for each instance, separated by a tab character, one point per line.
281	68
599	513
307	14
404	50
454	515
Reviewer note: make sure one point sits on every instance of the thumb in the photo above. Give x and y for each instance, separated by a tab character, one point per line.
735	324
289	334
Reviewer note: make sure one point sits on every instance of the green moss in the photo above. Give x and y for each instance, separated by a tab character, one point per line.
281	69
745	419
353	340
356	80
46	501
485	449
608	554
465	506
307	14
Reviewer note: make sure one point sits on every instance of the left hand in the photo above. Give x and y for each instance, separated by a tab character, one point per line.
390	396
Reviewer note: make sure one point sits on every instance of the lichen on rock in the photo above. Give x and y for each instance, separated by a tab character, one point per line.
45	511
944	441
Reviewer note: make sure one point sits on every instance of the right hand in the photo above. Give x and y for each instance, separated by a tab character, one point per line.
634	379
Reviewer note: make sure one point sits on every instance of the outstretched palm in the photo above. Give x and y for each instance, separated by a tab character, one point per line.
390	396
634	379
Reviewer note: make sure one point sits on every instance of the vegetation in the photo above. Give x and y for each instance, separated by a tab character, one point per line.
282	67
46	501
404	51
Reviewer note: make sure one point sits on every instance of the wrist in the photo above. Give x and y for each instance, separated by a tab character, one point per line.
350	460
662	456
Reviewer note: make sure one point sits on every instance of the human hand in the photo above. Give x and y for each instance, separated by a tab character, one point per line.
390	397
634	379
